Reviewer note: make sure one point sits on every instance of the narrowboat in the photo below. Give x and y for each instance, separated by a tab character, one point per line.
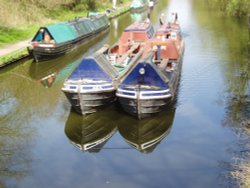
93	83
151	84
90	133
57	39
146	134
139	5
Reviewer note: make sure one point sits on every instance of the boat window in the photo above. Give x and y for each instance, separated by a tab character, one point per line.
39	36
43	35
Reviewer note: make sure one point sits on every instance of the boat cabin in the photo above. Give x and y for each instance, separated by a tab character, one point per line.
69	31
169	30
139	32
167	49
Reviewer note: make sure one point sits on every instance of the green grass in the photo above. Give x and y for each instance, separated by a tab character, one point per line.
11	35
120	11
12	56
62	14
57	14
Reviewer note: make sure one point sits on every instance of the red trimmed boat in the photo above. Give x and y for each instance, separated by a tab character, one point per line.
151	84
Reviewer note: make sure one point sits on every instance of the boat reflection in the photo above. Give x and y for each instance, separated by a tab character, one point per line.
139	16
48	81
90	133
49	72
144	135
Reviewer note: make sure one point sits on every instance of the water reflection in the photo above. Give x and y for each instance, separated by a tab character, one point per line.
49	72
139	16
144	135
90	133
230	37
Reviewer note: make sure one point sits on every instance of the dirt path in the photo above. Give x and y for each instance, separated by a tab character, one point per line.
13	47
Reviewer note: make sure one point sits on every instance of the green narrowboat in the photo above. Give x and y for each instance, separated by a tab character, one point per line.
55	40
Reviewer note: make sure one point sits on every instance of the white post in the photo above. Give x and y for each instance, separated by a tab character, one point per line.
114	4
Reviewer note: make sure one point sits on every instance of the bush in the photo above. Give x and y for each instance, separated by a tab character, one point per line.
236	8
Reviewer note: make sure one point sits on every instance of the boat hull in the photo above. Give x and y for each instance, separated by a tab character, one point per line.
142	108
87	103
47	53
145	93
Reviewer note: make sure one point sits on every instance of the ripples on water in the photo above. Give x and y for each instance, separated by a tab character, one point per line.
186	146
7	104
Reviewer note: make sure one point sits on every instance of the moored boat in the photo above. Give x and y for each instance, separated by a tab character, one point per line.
57	39
151	84
93	83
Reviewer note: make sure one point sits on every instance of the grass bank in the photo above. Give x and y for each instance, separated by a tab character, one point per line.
13	56
20	19
236	8
15	31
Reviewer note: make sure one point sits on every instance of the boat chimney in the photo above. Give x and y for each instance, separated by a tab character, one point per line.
158	53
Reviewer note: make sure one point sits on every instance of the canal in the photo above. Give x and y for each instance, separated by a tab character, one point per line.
192	144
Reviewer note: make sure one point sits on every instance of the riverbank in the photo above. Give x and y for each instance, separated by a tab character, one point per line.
10	53
235	8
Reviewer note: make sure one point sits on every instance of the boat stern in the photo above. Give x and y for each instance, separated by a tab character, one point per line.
144	91
90	87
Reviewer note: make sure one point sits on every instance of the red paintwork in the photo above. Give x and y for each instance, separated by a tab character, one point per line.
134	36
34	44
164	37
137	32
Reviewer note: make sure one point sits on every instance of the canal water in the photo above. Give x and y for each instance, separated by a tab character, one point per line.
192	144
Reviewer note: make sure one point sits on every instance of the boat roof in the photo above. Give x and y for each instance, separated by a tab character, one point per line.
139	26
94	67
70	30
62	32
170	50
168	27
146	61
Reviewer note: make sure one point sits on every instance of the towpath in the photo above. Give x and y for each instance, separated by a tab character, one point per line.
13	47
8	49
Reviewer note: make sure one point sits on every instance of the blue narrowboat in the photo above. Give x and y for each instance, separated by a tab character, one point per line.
151	83
93	83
